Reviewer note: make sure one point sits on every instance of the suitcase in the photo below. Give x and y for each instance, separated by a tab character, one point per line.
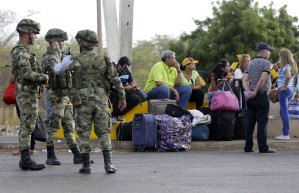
144	132
158	106
241	118
240	124
222	126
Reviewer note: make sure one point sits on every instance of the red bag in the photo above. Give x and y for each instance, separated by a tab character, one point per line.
9	94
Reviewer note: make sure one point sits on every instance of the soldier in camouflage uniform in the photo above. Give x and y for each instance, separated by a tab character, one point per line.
29	78
92	76
60	104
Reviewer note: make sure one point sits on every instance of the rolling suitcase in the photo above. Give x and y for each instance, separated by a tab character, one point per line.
223	125
241	118
158	106
144	132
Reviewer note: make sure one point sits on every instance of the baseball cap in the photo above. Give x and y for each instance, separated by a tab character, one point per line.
189	60
263	46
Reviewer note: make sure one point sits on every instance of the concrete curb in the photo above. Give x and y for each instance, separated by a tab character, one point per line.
10	143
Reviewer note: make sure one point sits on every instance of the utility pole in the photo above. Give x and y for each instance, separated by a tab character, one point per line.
99	27
126	9
111	26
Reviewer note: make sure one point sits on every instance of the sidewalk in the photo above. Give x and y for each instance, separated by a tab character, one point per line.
9	143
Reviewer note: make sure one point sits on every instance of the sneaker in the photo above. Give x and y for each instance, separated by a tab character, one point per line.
114	120
248	150
17	152
269	151
282	137
33	152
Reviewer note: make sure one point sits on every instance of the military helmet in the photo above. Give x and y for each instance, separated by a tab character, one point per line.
87	38
28	26
56	34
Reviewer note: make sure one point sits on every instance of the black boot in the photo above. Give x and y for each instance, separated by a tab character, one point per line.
51	157
77	156
26	163
85	169
109	168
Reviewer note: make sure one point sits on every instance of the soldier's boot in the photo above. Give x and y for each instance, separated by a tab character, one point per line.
109	168
51	157
86	168
77	156
26	163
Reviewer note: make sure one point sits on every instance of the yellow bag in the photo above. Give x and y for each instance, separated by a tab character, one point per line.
273	73
234	66
202	81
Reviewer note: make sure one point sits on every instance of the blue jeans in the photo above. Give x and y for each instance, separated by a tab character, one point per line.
163	92
257	112
284	97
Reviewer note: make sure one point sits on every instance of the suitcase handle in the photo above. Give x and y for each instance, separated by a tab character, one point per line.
138	117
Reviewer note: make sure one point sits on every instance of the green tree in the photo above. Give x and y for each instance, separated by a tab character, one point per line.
236	27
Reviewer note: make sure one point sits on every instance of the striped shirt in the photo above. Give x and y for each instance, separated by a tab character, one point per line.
255	69
282	76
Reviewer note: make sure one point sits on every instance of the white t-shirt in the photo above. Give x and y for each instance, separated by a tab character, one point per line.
238	73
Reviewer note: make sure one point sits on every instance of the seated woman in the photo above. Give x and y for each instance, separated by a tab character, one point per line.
239	73
243	63
220	71
130	87
192	78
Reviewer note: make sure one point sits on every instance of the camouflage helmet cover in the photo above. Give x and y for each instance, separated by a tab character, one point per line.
28	26
56	34
87	38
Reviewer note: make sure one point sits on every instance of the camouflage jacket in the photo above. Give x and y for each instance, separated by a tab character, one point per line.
25	67
49	60
92	70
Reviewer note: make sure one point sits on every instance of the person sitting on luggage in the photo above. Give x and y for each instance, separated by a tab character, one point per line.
131	89
192	78
220	71
165	79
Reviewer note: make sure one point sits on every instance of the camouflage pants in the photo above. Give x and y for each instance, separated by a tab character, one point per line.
61	112
93	109
28	105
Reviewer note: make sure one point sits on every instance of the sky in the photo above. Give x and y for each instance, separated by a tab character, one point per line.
151	17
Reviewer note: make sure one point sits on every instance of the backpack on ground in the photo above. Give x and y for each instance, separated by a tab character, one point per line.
124	131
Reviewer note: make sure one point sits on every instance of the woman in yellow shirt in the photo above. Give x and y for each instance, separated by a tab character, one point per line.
192	78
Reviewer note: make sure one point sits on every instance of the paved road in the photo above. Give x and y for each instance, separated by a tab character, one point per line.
193	171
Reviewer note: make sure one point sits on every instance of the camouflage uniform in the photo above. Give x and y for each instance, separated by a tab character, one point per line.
29	78
92	76
60	104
